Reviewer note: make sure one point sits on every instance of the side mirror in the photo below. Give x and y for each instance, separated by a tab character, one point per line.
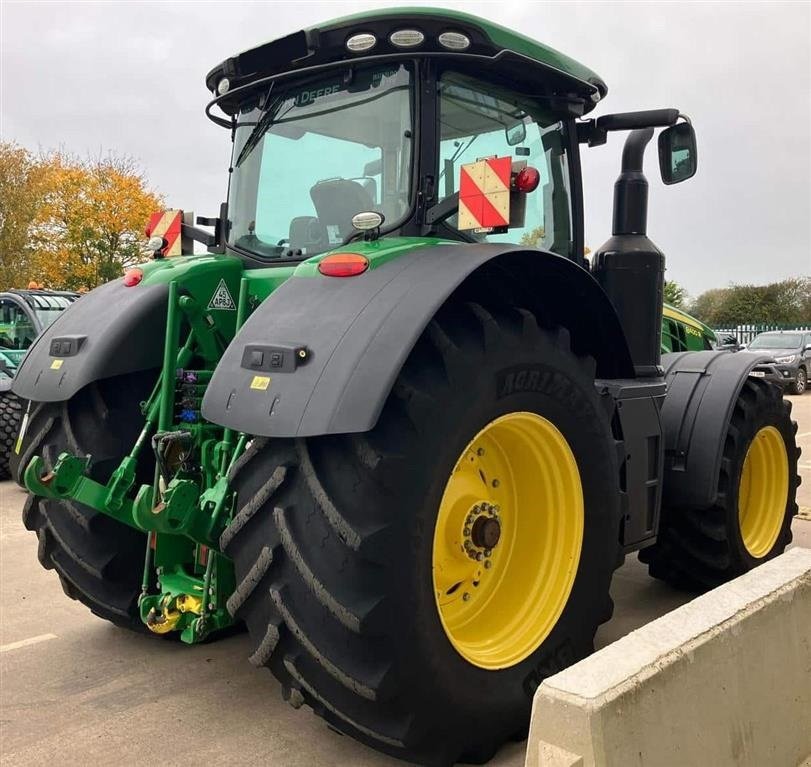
808	347
678	158
515	133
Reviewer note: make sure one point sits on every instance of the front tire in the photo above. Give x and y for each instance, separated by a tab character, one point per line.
750	522
334	542
98	559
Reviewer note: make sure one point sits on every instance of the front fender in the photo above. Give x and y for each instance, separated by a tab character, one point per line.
108	332
356	333
702	388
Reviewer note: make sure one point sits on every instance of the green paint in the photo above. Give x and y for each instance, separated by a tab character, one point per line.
500	37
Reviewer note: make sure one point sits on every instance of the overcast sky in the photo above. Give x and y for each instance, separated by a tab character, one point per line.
128	77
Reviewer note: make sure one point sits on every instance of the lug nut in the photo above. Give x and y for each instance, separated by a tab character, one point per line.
480	452
479	557
466	531
488	564
496	483
466	597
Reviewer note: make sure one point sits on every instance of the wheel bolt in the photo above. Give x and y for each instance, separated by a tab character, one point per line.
466	531
479	557
496	483
466	597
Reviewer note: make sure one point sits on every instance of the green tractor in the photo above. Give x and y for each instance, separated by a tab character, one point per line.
404	450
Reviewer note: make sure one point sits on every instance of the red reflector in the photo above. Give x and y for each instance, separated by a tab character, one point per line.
132	277
343	265
527	179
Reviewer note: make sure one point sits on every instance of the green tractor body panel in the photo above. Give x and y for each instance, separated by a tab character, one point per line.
683	333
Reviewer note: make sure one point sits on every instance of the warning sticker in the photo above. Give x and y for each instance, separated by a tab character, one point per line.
260	383
222	298
484	193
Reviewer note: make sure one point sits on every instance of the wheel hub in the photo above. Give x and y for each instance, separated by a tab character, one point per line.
485	532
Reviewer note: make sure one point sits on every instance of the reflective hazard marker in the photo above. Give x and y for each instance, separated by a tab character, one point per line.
484	193
166	224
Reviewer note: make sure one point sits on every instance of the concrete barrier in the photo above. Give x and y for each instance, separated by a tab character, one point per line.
724	680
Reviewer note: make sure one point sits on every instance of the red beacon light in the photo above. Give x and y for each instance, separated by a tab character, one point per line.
132	277
343	265
527	179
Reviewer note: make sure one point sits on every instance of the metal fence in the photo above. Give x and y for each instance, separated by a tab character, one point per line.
744	334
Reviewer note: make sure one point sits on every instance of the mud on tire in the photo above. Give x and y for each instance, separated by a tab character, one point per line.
99	560
699	549
332	544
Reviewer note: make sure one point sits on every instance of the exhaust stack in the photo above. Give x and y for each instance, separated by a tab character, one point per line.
629	267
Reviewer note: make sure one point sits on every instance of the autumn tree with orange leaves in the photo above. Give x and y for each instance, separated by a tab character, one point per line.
84	222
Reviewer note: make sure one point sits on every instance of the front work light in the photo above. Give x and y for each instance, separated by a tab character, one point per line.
406	38
363	41
454	41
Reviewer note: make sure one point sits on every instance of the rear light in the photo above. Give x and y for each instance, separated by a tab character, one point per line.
132	277
343	265
527	179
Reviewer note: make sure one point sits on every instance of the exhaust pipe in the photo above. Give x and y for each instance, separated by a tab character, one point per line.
629	267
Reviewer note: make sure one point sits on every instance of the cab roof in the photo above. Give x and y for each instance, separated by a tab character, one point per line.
491	45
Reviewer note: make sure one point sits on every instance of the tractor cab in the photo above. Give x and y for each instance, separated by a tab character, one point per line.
379	113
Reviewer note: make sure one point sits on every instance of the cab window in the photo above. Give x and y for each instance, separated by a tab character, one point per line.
479	120
16	329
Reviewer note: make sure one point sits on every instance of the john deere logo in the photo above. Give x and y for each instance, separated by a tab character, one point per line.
222	298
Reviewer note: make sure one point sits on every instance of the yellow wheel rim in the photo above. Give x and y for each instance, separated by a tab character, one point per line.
763	491
507	540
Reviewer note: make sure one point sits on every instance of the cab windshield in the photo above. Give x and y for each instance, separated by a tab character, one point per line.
308	158
776	341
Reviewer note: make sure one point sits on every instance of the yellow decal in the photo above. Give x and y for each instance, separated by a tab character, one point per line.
56	364
260	383
19	444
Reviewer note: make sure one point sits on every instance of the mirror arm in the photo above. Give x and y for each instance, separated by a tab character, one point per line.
594	132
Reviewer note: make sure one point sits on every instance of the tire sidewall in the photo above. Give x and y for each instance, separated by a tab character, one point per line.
771	414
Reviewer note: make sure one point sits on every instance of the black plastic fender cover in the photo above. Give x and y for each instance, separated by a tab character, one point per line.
112	330
355	334
702	388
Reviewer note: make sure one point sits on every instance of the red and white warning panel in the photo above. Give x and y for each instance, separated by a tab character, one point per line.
484	193
167	224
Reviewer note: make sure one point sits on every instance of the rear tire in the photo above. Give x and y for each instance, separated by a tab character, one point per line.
10	416
699	549
99	560
332	544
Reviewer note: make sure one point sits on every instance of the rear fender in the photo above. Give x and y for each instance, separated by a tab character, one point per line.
321	354
108	332
702	388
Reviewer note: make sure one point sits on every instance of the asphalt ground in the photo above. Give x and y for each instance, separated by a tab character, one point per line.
75	690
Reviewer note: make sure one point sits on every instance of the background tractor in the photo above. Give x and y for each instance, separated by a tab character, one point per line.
406	452
24	314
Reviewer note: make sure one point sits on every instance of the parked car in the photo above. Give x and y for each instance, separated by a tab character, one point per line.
792	354
24	314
